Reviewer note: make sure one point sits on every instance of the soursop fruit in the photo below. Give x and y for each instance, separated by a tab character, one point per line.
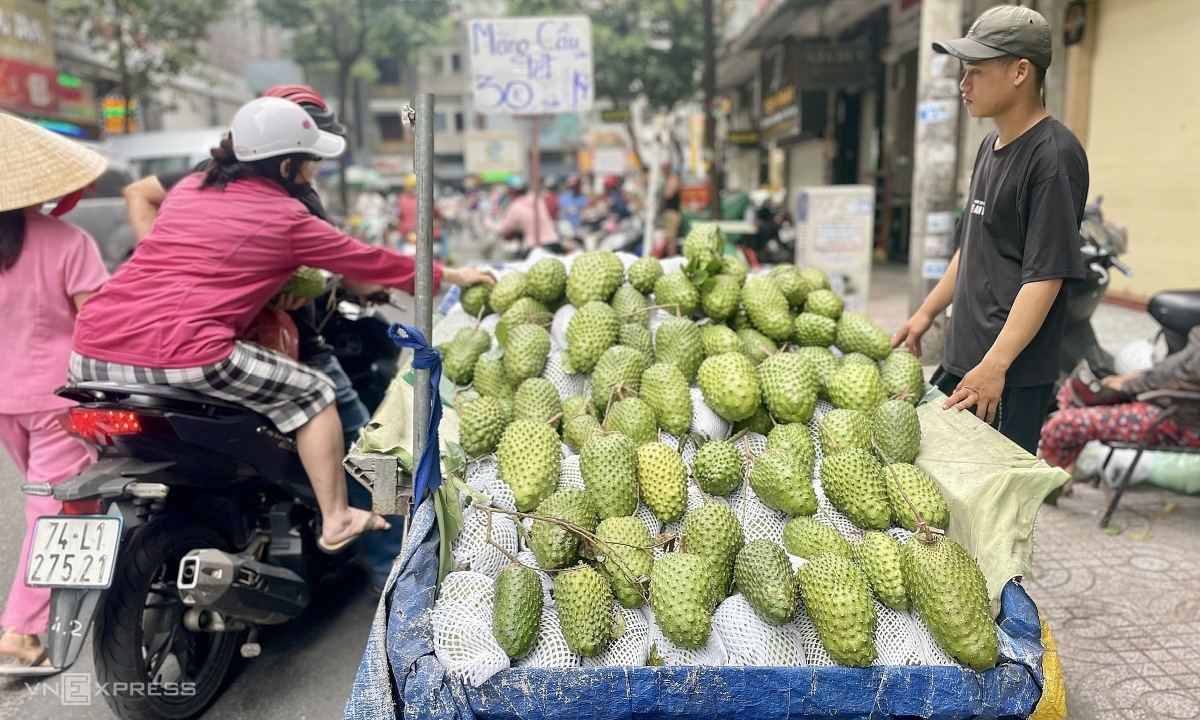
783	484
624	556
526	352
678	341
704	244
810	538
716	339
592	330
840	430
768	308
629	305
528	459
903	377
763	575
524	310
734	267
730	386
634	419
853	481
756	346
857	358
584	602
740	319
789	387
595	276
482	423
662	479
838	600
815	277
491	379
575	406
676	294
794	439
553	545
682	599
578	429
759	423
911	491
813	330
718	467
878	556
791	283
856	333
857	387
896	432
547	280
824	363
949	592
712	531
508	289
665	390
824	302
644	272
609	465
475	298
517	610
537	400
305	282
460	354
719	297
638	338
618	370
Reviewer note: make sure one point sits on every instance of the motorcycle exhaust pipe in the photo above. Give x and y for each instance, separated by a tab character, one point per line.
240	588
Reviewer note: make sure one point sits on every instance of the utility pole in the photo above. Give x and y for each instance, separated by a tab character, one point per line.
710	99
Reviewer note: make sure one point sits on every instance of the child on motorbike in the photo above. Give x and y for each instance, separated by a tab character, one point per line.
48	268
221	247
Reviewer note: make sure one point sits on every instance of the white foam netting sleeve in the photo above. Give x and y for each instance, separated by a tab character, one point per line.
456	319
749	640
550	647
529	560
713	652
566	384
631	648
705	421
472	549
934	654
814	652
558	327
462	628
650	520
687	454
897	638
569	475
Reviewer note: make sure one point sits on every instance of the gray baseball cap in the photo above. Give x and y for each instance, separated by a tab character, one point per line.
1003	30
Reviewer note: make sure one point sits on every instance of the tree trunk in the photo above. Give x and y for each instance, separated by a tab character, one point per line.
123	73
343	91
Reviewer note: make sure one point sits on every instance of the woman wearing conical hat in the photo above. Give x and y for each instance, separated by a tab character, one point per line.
48	268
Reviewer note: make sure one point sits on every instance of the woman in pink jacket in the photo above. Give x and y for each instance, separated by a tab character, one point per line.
47	269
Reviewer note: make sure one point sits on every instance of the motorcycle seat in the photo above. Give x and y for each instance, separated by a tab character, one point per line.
142	394
1176	310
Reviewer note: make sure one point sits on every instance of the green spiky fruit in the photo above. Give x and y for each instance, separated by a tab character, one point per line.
618	370
763	574
857	387
681	597
678	341
824	302
730	386
789	387
791	283
813	330
662	479
853	482
856	333
810	538
537	400
878	556
740	320
634	419
305	282
896	432
594	275
734	267
578	429
517	603
783	483
491	378
665	390
553	545
460	354
676	294
716	339
857	358
911	491
638	338
950	594
756	346
508	289
903	377
482	423
718	467
475	298
644	272
608	463
768	308
838	600
576	405
584	601
547	280
625	558
794	439
704	243
720	296
759	422
528	457
526	352
842	429
824	363
591	331
712	532
629	305
524	310
815	277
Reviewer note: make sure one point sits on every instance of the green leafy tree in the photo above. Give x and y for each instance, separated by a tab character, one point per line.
148	42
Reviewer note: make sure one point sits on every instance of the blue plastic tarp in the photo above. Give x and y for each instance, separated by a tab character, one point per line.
400	677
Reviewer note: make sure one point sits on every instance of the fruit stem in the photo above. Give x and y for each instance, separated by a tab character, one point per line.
479	316
887	463
497	545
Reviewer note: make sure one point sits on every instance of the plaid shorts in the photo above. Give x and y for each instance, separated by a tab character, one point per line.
268	382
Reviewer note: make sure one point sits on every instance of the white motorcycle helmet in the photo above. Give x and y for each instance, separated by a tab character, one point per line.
270	127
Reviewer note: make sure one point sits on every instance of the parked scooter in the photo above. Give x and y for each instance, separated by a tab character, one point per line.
775	239
1177	312
359	337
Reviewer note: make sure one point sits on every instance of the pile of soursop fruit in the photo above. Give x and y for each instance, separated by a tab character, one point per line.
693	466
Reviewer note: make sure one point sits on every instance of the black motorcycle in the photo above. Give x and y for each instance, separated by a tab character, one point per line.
196	526
358	335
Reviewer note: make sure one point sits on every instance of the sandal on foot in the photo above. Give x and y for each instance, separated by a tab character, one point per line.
337	547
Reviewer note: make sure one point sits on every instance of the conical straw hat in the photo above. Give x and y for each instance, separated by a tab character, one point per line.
40	165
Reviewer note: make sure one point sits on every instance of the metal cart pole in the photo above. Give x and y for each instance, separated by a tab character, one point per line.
423	164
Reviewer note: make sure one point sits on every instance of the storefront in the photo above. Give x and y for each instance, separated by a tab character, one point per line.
28	74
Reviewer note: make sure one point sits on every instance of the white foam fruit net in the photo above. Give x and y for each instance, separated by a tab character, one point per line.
550	647
705	421
630	648
472	548
567	385
569	475
558	327
713	652
462	628
749	640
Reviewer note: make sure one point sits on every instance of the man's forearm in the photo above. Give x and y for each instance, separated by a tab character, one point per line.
1029	311
943	293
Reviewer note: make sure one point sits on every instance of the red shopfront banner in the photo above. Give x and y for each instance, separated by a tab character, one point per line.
27	88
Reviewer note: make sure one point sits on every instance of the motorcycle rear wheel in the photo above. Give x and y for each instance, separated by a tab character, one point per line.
167	671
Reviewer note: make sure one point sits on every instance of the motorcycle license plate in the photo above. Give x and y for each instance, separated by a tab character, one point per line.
73	551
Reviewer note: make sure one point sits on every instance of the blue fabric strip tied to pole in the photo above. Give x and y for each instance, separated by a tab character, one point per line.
425	357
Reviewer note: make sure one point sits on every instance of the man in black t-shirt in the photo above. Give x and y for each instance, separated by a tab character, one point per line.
1019	237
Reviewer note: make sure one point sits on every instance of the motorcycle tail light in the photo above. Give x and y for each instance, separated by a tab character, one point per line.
82	507
100	425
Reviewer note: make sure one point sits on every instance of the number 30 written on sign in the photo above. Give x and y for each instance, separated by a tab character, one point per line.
516	94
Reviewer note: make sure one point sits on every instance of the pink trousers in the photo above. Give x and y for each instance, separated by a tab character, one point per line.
44	453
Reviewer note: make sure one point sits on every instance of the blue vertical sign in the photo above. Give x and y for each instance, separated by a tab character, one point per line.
532	66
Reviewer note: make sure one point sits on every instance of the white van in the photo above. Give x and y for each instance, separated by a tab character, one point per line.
167	151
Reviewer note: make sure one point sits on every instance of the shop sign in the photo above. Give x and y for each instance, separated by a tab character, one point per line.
77	100
28	78
837	66
780	100
743	137
616	115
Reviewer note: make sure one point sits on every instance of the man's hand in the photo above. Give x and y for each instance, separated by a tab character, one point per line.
466	277
287	302
1116	381
982	388
910	333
